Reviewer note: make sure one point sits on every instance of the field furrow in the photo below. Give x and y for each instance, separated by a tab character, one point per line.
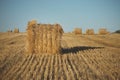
83	57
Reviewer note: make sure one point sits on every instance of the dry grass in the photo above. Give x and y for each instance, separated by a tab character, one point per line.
84	57
43	38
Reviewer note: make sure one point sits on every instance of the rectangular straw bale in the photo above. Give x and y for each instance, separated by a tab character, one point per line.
90	31
77	31
49	38
43	38
54	39
49	42
16	30
36	38
30	44
103	31
31	23
58	36
40	39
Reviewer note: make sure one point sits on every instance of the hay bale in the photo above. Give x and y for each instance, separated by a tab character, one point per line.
16	30
32	22
49	42
49	38
44	38
90	31
103	31
77	31
54	40
30	41
40	39
57	32
36	38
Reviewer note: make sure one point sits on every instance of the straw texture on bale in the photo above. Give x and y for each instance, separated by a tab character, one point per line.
90	32
16	30
30	23
43	38
77	31
103	31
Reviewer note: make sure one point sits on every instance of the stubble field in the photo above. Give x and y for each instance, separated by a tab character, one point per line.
84	57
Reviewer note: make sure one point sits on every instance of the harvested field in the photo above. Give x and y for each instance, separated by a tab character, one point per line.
84	57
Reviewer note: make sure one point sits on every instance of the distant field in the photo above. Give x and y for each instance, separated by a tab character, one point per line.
84	57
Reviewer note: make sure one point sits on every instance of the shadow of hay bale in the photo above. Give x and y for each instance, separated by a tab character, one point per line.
77	49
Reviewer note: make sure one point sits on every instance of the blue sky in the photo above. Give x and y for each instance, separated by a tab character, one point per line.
69	13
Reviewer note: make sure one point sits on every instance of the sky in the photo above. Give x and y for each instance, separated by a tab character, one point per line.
70	14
